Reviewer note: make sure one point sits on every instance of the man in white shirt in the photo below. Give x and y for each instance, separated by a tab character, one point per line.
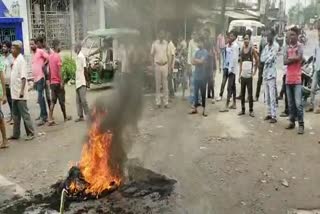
231	67
161	61
8	61
19	93
81	84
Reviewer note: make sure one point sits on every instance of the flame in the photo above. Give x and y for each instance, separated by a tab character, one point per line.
95	164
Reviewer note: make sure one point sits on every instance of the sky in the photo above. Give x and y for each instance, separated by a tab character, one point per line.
291	3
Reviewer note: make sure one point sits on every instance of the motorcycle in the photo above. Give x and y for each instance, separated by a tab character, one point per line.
307	77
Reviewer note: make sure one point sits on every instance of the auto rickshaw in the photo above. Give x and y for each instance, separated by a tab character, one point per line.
98	48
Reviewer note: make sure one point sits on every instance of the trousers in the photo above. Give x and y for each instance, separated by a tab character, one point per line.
270	87
161	76
246	84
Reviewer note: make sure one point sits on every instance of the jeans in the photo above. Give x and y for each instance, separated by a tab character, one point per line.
284	92
231	88
20	110
40	86
81	101
192	98
260	80
246	83
200	85
296	110
270	88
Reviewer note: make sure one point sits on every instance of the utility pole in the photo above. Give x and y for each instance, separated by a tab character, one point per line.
102	17
223	15
72	23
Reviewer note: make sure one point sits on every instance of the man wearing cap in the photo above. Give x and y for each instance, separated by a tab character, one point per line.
19	93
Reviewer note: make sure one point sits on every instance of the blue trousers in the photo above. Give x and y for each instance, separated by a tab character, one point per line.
296	111
40	86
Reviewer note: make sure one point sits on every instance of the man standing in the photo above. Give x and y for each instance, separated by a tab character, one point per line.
42	44
192	49
293	58
81	84
19	93
248	54
39	59
3	99
221	45
269	59
316	77
161	61
172	54
211	64
229	71
200	81
8	61
262	45
56	83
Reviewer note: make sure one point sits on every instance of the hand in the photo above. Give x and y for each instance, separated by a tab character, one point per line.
239	80
4	100
21	94
62	86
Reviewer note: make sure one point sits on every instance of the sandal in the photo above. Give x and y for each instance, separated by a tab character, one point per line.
52	123
194	112
4	146
69	118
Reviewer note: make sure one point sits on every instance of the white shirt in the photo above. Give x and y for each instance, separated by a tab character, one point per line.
18	72
123	58
8	60
81	64
231	61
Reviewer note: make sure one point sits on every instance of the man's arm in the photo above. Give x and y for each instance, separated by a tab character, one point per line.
45	56
299	56
3	83
23	77
60	70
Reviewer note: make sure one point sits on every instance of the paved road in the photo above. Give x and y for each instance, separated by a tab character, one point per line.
223	163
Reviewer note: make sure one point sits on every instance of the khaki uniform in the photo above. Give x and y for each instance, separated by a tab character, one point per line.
159	51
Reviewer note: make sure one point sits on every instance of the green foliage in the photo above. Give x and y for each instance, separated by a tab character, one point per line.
68	69
302	15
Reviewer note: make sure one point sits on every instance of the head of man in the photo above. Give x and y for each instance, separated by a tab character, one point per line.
200	43
206	33
16	48
294	33
77	48
41	42
249	33
246	40
232	36
56	45
33	45
162	35
270	38
6	47
288	37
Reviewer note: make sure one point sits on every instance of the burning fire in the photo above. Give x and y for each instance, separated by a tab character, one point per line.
95	164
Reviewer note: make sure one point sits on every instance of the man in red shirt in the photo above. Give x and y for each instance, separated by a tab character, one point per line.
293	58
39	60
56	83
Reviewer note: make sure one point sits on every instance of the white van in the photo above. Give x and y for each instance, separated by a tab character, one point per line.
242	25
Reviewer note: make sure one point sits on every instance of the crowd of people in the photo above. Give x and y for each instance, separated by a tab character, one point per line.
193	65
206	56
46	66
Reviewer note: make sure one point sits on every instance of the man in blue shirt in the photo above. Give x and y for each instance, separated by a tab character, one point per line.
200	62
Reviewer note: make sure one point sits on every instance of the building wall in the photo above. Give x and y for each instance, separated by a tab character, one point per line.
23	13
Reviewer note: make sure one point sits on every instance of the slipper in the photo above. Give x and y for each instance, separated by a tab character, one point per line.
204	115
224	110
193	112
52	123
4	146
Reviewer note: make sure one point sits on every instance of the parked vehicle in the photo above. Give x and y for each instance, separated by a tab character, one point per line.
307	77
101	70
242	25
